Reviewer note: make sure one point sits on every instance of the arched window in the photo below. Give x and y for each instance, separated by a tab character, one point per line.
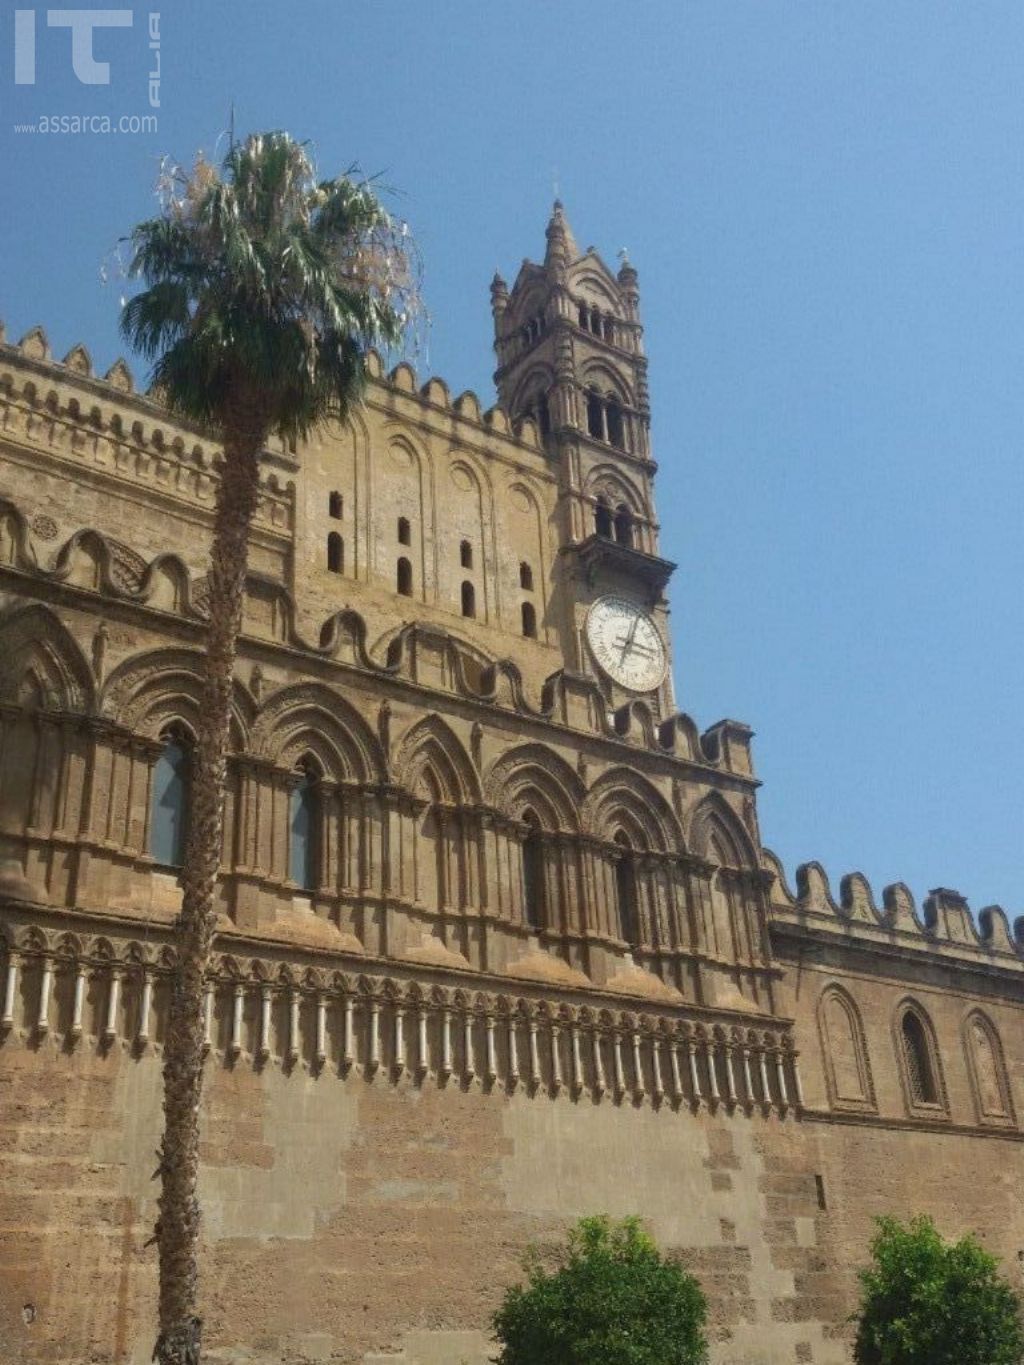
584	317
466	555
335	553
168	823
616	429
335	506
844	1051
623	525
468	599
595	322
543	416
525	576
609	330
603	518
918	1061
988	1070
529	620
404	531
595	415
625	889
303	815
533	873
404	577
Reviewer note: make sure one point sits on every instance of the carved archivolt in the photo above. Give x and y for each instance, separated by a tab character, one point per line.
149	691
605	481
533	776
623	800
41	664
312	718
431	743
715	832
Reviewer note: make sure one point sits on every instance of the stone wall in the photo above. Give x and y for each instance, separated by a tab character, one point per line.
358	1218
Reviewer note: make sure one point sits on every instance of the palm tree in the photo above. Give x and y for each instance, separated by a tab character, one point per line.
264	288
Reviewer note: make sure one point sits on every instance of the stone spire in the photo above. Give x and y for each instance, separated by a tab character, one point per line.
562	249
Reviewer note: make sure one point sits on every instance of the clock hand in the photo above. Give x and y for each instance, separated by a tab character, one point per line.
629	638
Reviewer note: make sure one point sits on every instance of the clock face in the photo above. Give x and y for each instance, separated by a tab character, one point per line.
626	644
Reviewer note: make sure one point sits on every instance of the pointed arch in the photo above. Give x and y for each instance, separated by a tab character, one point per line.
531	776
311	719
986	1063
920	1064
715	832
607	381
148	692
431	743
605	481
538	380
844	1051
41	662
623	800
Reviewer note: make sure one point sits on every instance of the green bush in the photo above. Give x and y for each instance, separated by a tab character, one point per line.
612	1300
928	1302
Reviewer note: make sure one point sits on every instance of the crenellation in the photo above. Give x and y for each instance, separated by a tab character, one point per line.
945	925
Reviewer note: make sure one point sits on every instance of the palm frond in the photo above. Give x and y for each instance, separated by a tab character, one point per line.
265	284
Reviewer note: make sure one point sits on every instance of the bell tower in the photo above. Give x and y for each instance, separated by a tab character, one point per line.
569	347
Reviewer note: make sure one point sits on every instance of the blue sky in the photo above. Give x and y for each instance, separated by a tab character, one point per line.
825	203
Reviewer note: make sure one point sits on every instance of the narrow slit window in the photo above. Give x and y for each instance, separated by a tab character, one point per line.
525	577
404	577
468	599
529	620
533	873
404	531
625	889
335	506
466	555
616	426
335	553
595	416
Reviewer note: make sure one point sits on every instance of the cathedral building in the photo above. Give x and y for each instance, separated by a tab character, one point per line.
499	943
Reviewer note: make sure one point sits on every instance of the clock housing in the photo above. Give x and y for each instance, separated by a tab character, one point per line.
626	644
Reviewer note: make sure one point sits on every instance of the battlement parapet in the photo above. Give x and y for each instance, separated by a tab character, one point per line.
945	926
104	425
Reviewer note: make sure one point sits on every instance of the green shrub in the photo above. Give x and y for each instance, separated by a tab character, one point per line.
928	1302
612	1300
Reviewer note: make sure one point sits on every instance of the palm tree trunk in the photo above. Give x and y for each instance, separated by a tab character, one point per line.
177	1229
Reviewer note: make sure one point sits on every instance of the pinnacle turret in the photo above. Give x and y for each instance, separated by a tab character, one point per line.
562	249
